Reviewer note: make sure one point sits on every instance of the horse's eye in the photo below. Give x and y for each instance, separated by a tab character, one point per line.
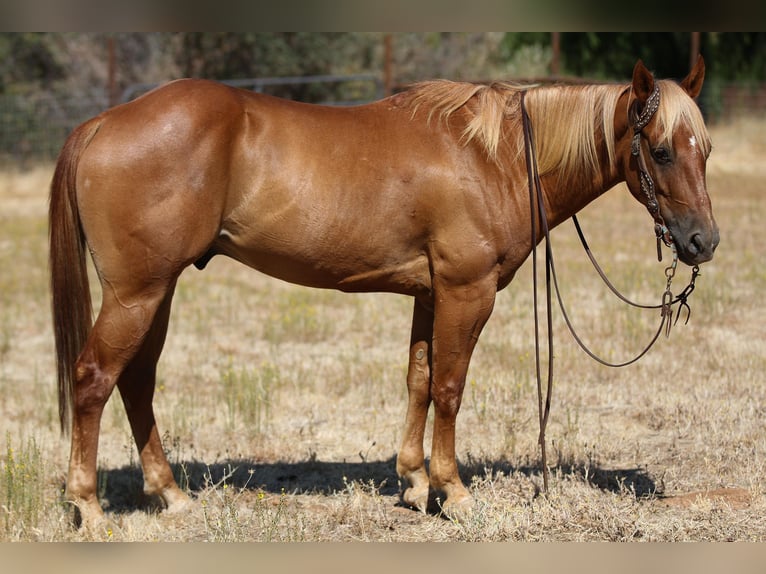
661	155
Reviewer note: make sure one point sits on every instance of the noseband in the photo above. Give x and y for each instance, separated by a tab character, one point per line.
640	120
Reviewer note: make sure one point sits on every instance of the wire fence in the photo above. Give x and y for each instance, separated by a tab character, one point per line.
33	127
731	101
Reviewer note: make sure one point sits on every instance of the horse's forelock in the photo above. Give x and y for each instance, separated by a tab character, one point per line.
677	108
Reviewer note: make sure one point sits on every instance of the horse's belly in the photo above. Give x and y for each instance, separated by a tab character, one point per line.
335	266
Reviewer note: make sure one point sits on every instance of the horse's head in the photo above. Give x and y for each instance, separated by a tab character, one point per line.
670	145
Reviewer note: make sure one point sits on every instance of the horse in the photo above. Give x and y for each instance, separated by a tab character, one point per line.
422	193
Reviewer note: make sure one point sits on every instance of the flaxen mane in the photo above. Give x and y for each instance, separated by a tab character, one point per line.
494	105
566	119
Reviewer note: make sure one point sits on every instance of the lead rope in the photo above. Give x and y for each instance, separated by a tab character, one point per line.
533	180
537	213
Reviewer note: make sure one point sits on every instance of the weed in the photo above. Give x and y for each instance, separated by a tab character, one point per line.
6	335
277	521
479	404
247	394
222	520
228	516
174	455
23	478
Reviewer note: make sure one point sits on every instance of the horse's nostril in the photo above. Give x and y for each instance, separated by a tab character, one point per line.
695	244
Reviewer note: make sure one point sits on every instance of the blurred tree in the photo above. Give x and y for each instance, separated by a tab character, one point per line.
27	60
735	56
612	55
729	56
235	55
467	56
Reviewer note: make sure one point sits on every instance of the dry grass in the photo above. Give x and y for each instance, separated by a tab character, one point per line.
282	406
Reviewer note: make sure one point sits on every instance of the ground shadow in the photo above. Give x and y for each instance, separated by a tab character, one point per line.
121	489
637	481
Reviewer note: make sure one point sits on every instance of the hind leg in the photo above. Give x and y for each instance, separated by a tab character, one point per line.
410	463
136	386
120	330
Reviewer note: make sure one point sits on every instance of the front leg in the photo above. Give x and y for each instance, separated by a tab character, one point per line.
460	315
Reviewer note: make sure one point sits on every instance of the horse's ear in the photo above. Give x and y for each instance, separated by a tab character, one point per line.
643	82
693	82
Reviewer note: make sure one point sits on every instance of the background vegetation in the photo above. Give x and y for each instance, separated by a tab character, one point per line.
57	61
50	82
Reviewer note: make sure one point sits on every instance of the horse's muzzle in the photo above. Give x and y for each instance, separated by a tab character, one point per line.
697	246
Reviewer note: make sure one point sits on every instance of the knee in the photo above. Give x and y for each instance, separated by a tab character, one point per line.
447	398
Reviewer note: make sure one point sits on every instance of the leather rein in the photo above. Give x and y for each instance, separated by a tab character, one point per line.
639	120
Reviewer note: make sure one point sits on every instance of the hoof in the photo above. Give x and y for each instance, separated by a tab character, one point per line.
179	503
170	500
416	498
460	509
95	525
88	515
102	528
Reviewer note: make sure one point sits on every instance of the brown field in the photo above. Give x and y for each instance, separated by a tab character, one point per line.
282	406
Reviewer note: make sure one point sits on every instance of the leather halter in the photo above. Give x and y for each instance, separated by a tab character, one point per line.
639	121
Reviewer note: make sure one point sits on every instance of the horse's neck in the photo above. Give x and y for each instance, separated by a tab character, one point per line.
567	193
566	196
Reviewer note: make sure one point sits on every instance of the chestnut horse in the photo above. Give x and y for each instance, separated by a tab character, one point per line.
423	193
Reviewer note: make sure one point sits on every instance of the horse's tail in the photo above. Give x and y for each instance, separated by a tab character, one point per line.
70	290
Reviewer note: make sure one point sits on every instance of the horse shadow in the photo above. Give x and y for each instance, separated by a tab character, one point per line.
121	489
